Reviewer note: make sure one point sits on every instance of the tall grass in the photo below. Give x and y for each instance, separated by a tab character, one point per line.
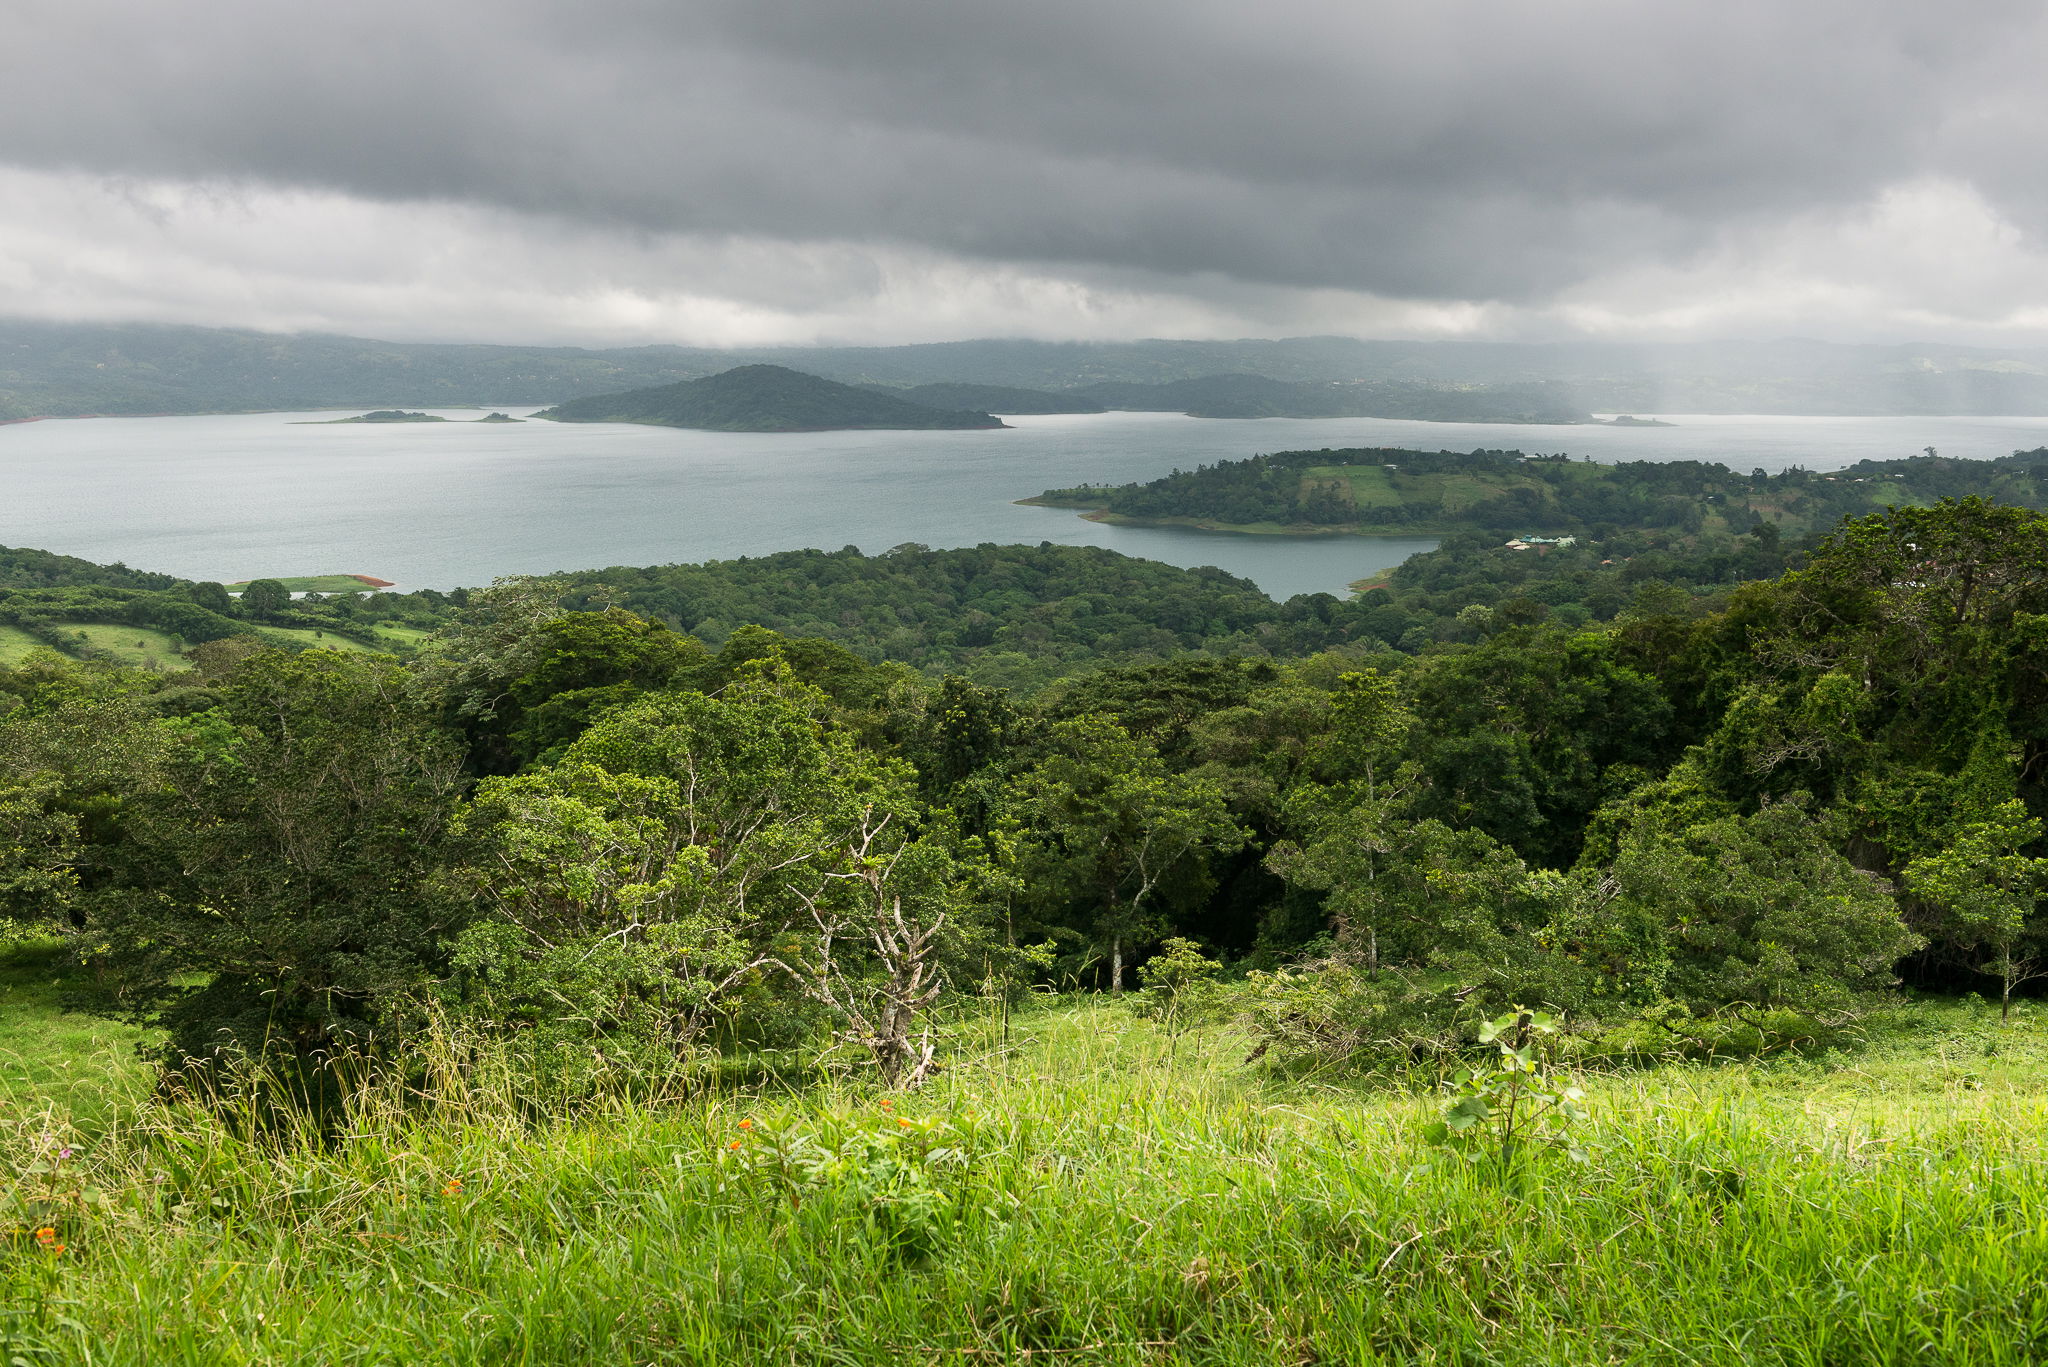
1083	1198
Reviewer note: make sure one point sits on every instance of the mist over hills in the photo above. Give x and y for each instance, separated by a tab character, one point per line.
72	369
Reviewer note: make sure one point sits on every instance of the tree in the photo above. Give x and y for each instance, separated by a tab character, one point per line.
1349	829
264	597
689	853
274	889
1741	911
211	596
1990	890
1109	824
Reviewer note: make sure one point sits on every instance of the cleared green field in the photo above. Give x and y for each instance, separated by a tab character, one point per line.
316	583
15	644
1375	486
311	636
128	645
1085	1195
401	635
54	1059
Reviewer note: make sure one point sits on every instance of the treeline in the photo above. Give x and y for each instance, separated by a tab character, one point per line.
1509	492
611	847
1018	617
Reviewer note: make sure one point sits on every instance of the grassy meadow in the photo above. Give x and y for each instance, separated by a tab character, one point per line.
1092	1193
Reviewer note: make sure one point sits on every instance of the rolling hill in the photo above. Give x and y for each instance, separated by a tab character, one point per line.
765	398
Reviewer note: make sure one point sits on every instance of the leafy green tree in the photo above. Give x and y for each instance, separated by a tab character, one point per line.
1181	988
274	888
1753	911
1990	890
265	598
1108	824
691	854
211	596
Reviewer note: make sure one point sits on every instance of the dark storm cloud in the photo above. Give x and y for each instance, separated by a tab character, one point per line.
1437	149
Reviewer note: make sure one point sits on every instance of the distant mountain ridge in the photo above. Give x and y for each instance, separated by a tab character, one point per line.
71	369
991	398
765	398
1256	396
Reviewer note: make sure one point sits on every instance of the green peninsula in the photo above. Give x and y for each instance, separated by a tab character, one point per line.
380	416
991	398
1385	491
766	398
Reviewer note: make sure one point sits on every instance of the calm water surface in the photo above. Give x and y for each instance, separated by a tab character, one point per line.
434	506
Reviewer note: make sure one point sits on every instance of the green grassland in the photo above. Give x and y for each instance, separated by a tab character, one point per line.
129	645
1090	1194
315	583
310	636
54	1058
401	637
15	644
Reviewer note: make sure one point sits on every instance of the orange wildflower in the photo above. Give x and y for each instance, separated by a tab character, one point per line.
901	1121
746	1124
735	1144
453	1188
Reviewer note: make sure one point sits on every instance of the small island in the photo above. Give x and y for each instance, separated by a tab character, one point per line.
1630	420
766	398
384	415
381	415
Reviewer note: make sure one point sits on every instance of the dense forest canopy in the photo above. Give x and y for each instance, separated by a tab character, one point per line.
1727	805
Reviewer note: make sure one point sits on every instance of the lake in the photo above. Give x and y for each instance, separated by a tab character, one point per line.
429	505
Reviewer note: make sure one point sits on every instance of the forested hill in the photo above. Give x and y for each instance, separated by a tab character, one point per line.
1378	490
991	398
1256	396
765	398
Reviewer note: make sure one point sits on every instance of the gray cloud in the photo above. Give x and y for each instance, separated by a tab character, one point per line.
1460	150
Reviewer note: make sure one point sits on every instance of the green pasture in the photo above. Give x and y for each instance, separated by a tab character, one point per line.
1088	1193
55	1059
15	644
311	636
130	645
402	636
1375	486
315	583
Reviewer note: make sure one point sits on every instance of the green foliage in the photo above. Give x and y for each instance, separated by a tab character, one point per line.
1181	988
1501	1109
272	885
1757	911
265	597
1507	492
903	1181
1110	829
1990	889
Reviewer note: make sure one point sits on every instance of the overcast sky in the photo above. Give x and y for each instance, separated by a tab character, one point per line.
756	171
